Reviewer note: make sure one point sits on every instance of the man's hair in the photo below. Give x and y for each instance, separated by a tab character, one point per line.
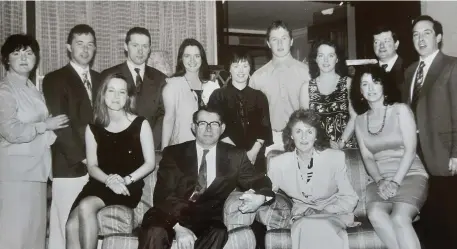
276	25
437	26
137	30
206	109
81	29
382	28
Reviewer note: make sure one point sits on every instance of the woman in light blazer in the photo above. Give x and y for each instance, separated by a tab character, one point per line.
314	176
25	155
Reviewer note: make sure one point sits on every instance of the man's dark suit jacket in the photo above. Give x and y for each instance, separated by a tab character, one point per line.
436	112
149	102
65	93
397	74
178	175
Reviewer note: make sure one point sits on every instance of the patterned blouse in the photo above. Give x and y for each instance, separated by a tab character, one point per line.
333	109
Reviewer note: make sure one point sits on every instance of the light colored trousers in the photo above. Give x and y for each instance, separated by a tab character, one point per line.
22	215
64	193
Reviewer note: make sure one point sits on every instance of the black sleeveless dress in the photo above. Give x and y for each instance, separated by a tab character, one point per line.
117	153
333	109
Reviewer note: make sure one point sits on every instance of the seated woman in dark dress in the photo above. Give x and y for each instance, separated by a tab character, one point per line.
244	111
120	153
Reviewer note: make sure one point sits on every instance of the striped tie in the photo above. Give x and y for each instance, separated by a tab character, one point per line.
417	85
87	84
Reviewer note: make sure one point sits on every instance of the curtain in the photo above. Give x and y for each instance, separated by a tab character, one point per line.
169	23
12	21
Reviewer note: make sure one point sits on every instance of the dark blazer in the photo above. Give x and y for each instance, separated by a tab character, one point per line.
178	175
396	74
436	112
65	94
149	102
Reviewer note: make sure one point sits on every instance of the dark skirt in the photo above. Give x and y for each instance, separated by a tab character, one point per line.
98	189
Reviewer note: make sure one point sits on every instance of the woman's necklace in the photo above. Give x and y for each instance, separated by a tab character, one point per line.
193	91
382	126
310	166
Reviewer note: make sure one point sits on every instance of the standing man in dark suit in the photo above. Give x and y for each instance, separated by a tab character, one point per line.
385	45
70	91
431	89
148	81
193	182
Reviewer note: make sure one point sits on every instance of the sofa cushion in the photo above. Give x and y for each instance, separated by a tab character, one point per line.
364	236
125	241
359	179
148	192
115	219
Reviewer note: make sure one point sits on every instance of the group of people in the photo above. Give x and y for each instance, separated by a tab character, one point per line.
95	135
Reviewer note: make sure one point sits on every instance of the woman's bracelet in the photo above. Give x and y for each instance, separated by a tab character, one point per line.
396	183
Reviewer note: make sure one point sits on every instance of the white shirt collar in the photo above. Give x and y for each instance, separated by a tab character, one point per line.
200	150
428	61
132	67
80	70
390	63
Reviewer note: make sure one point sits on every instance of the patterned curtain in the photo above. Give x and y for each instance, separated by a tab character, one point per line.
12	21
169	23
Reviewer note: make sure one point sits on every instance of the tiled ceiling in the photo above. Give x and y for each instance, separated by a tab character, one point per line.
257	15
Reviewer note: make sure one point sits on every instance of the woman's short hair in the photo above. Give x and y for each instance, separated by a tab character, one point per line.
389	86
101	116
18	42
310	118
239	56
203	73
340	67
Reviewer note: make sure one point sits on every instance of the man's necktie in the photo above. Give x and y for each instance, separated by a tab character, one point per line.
384	66
202	181
418	82
138	81
87	84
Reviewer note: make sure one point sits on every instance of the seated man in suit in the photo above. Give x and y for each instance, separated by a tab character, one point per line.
148	81
193	182
385	45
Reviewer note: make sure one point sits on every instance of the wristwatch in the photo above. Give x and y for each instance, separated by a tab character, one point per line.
131	179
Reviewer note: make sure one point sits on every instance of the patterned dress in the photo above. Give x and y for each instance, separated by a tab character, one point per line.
333	109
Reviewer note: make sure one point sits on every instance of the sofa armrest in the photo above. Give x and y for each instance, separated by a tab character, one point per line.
115	219
278	214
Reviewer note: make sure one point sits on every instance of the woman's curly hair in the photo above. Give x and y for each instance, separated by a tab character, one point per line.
310	118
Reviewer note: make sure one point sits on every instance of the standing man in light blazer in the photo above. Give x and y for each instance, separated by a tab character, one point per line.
148	81
70	90
431	90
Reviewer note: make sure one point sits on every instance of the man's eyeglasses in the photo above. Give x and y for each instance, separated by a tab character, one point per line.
204	124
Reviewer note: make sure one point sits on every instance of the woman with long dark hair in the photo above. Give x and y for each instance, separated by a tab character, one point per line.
120	153
328	93
188	89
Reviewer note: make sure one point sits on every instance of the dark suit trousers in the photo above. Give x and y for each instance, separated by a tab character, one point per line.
437	227
157	235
